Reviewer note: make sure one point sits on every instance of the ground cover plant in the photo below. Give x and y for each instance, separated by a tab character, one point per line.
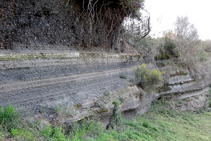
160	123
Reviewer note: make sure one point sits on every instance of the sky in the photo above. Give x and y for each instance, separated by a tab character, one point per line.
164	13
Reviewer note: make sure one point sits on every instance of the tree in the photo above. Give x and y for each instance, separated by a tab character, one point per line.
187	41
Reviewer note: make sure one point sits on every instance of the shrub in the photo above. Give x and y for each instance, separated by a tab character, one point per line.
58	134
170	47
147	79
14	132
9	117
47	132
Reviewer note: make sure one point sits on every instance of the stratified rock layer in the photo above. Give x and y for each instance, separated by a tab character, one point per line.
85	84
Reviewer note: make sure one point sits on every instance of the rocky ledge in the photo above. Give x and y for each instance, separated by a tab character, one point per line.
83	84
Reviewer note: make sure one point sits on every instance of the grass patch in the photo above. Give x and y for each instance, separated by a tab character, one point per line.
9	117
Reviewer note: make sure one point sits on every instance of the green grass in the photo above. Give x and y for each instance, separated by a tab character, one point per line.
157	125
183	127
9	117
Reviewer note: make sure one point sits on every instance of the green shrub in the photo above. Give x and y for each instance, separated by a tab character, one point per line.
170	47
47	132
58	134
14	131
9	117
162	56
147	79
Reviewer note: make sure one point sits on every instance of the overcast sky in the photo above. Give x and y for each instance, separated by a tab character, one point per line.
164	13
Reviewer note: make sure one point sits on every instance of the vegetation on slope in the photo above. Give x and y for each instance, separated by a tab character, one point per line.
179	47
159	124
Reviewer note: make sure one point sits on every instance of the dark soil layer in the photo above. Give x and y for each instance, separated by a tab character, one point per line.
38	24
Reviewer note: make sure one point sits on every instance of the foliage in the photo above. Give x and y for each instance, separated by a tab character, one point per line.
88	128
162	56
183	47
167	47
131	6
160	123
116	116
58	134
147	79
47	132
203	55
136	25
9	117
24	135
14	132
187	43
170	47
112	13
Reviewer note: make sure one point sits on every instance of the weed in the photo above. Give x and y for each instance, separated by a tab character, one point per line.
47	132
78	105
14	132
24	135
57	109
9	117
200	110
116	116
58	134
171	113
42	110
107	93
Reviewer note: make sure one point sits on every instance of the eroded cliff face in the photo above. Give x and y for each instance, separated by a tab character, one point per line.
185	91
56	24
43	66
85	84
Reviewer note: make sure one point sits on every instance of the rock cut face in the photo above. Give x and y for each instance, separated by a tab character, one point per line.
36	24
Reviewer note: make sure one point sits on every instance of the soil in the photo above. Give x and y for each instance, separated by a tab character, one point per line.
55	24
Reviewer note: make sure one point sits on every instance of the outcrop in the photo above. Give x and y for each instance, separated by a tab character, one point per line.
52	57
87	84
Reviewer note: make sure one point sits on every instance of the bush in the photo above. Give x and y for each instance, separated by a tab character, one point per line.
170	47
147	79
9	118
47	132
167	49
58	134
